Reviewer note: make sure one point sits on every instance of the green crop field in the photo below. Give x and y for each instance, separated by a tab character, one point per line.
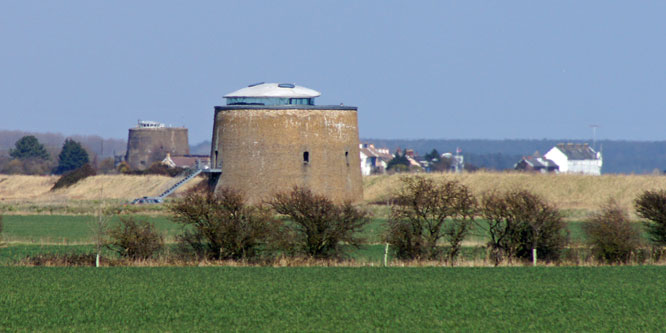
64	234
333	299
65	229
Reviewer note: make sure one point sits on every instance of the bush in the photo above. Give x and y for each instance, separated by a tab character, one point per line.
135	239
156	168
651	205
318	226
57	259
611	235
161	169
424	212
519	222
222	225
124	168
73	177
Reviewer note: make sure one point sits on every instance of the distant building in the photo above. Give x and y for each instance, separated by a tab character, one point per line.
187	161
537	163
271	137
413	160
373	160
150	141
576	158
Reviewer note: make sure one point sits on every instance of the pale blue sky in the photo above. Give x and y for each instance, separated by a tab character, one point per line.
415	69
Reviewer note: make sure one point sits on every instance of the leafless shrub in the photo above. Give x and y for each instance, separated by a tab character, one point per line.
72	177
57	259
222	226
425	212
135	239
316	226
521	223
651	205
611	235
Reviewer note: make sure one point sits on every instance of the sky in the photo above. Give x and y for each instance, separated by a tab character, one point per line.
414	69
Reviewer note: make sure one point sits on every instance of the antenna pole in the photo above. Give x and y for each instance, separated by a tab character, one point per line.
594	136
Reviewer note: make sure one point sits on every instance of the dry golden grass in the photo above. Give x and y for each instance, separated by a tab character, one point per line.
568	192
37	189
574	193
18	187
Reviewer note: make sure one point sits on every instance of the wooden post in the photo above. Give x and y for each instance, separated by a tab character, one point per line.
386	255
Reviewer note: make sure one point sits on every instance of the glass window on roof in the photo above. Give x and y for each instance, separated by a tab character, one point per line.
269	101
301	101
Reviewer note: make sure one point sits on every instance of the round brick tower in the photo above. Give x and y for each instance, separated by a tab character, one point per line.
150	141
270	137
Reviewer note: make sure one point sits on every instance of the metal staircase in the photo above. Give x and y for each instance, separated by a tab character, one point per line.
192	173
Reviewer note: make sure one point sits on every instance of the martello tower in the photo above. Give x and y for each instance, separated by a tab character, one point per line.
270	137
150	141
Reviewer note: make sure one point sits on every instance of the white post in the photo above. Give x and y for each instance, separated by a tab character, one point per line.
386	255
534	257
97	260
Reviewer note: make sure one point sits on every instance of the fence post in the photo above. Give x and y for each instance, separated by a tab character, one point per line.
386	255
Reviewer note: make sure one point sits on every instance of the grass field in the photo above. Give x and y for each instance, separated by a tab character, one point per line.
575	194
67	229
65	234
333	299
73	229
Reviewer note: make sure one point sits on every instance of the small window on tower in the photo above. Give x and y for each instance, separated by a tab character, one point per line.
347	157
306	157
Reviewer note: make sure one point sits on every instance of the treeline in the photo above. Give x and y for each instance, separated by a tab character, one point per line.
618	156
94	144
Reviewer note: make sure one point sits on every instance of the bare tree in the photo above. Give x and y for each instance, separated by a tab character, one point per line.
611	235
651	205
136	239
222	225
520	223
317	226
426	212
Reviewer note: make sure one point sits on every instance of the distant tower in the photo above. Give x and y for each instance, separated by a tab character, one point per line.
150	141
270	137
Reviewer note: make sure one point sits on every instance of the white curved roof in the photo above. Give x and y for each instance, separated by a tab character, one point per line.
268	90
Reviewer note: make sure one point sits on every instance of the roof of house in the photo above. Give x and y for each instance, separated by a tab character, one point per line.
275	90
370	151
577	151
538	162
183	161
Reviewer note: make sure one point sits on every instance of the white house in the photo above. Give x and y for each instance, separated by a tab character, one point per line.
373	160
576	158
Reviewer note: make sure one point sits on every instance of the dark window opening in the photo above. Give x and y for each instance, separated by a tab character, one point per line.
306	157
347	157
215	163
